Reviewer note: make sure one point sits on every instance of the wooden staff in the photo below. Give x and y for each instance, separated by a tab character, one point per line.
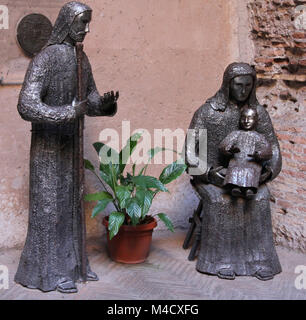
79	55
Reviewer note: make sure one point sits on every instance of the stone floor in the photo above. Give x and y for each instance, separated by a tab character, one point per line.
166	275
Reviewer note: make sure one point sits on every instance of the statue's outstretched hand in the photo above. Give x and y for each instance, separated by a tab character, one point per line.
110	98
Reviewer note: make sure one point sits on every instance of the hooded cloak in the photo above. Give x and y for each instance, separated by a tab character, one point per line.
221	99
52	251
236	233
65	19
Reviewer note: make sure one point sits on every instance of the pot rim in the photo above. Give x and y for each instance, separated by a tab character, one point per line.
140	227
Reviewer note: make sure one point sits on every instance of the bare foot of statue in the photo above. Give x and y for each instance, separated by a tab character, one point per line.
227	274
67	286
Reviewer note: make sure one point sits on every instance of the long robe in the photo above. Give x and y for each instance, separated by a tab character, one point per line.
236	233
52	251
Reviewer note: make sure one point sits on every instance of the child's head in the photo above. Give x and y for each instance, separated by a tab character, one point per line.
248	118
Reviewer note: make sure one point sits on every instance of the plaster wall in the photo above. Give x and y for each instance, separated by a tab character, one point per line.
165	57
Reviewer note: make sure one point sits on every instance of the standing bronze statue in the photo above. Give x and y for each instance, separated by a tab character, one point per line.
236	232
59	89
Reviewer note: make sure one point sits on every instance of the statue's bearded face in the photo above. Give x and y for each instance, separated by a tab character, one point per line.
80	26
241	87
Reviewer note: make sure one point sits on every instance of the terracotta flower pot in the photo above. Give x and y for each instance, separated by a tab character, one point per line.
132	243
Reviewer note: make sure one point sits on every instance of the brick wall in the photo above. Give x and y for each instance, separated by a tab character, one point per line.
278	32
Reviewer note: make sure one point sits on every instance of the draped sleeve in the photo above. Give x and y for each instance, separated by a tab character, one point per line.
30	104
197	128
266	128
228	142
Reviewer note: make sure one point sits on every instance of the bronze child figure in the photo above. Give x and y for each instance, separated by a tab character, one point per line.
247	149
54	256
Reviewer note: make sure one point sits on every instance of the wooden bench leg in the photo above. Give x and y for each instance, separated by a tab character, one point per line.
196	244
195	225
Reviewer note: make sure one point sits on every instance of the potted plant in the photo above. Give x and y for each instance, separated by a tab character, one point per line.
129	226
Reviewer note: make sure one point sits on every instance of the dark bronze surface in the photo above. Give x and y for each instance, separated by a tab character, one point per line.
33	32
246	150
236	235
53	257
80	157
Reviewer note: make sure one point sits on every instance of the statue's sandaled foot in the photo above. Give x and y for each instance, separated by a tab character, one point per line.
264	274
67	286
91	276
227	274
236	192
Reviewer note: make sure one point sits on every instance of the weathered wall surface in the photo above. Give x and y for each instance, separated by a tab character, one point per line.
278	29
165	57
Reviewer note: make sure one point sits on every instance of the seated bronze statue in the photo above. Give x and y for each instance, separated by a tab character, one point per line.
236	232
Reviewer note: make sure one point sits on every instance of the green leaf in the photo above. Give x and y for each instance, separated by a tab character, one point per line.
123	181
106	176
165	219
106	155
98	196
108	151
88	165
98	146
115	221
152	152
109	158
109	174
123	194
172	172
134	210
126	152
149	182
144	198
101	205
143	170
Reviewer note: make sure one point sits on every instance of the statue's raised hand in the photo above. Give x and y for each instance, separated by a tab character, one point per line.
110	98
